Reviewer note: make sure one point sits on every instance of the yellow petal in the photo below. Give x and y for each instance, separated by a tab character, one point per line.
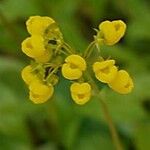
36	25
76	61
80	92
120	27
71	73
105	71
81	99
33	46
45	57
38	45
39	92
113	31
80	88
108	75
109	32
97	66
123	83
27	75
27	47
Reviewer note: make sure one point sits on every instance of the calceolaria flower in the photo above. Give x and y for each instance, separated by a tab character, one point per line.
50	55
122	83
105	71
33	46
111	31
37	25
28	75
40	92
73	67
80	92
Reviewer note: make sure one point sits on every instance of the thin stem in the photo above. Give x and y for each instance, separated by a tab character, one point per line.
89	50
58	49
48	65
63	52
68	48
111	125
51	73
114	134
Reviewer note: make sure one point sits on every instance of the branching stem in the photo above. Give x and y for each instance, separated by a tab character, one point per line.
89	50
113	131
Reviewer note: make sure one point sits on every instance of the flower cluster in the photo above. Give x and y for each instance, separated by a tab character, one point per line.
118	80
50	54
39	91
42	46
73	69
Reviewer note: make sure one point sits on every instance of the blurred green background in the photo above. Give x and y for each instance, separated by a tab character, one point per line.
60	124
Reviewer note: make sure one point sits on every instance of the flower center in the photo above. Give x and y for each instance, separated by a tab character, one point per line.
73	66
105	70
35	95
29	45
127	85
81	96
117	27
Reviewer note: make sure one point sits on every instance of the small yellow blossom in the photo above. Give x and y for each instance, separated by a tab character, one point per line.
120	27
112	31
122	83
105	71
39	92
27	75
33	46
74	67
37	24
80	92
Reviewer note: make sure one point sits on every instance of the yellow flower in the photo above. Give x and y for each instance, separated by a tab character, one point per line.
27	75
122	83
39	92
37	24
120	27
80	92
74	67
112	32
33	46
105	71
